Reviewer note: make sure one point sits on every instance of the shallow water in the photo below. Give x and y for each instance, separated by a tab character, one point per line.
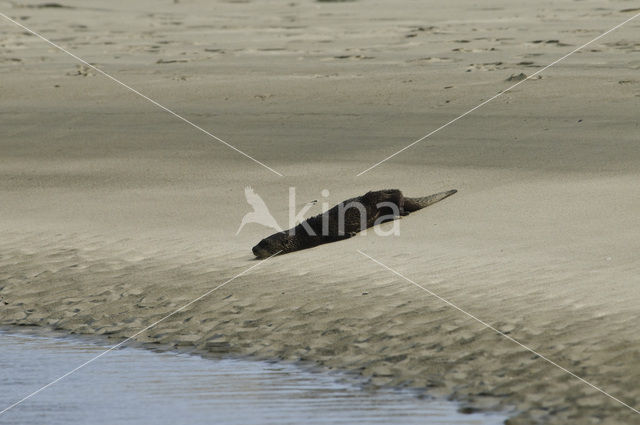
136	386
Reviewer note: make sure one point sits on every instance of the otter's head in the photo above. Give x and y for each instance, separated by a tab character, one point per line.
268	246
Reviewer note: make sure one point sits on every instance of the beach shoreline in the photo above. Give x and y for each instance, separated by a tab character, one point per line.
383	331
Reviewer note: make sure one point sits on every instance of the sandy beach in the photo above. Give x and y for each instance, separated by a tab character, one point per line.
114	213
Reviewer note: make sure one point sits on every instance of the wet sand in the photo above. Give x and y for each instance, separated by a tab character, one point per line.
114	213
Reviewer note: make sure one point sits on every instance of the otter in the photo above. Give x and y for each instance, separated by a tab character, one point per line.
345	220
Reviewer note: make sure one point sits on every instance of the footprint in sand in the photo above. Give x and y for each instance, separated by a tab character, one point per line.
553	42
476	50
488	66
164	61
631	46
50	5
82	71
429	60
353	57
517	77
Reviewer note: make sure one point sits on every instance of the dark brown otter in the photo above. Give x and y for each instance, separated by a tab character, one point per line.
345	220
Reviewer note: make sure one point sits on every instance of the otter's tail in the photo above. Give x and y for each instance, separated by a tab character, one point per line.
415	204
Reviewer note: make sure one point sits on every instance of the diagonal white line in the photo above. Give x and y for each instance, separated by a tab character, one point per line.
498	332
140	94
131	337
499	94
